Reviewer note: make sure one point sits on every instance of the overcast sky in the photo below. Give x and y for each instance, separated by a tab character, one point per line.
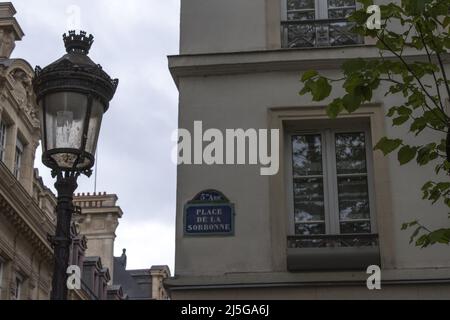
132	40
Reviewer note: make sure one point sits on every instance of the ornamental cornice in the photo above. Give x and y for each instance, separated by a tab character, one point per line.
16	87
21	210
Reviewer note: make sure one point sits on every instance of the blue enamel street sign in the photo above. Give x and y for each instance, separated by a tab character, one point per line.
210	213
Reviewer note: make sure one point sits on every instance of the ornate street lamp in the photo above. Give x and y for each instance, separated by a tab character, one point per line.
73	93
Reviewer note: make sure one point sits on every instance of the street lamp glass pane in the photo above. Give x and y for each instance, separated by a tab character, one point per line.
65	120
94	126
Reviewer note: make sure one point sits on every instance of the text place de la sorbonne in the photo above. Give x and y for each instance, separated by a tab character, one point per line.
212	159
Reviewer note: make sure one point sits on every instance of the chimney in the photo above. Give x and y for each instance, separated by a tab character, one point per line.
99	223
10	30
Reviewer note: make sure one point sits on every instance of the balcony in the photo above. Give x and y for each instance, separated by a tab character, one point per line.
332	252
318	33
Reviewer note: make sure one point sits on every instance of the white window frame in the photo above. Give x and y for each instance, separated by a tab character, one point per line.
3	137
18	157
331	197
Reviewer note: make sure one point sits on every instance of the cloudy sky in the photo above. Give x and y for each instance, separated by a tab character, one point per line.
132	40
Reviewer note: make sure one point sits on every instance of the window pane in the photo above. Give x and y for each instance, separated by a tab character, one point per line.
340	13
17	162
307	229
303	15
351	153
18	289
309	203
355	227
307	155
301	10
2	140
300	4
341	3
340	8
309	200
353	199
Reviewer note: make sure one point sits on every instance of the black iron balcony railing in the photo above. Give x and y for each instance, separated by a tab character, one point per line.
333	252
333	241
318	33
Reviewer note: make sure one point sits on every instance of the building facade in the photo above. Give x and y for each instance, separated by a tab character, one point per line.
141	284
97	223
335	207
26	205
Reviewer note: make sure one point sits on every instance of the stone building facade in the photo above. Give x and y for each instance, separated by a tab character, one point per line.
296	234
26	205
98	223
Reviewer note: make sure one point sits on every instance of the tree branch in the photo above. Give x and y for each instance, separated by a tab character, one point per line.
438	89
417	79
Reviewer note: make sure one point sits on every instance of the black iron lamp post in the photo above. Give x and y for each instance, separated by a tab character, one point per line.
73	93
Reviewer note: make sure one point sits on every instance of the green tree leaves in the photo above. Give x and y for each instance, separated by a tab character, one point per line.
309	74
406	154
388	145
335	108
322	89
427	153
415	7
318	86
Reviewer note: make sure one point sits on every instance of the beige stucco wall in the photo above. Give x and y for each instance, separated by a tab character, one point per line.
235	88
238	25
232	73
243	101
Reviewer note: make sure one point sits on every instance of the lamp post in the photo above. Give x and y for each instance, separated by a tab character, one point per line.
73	93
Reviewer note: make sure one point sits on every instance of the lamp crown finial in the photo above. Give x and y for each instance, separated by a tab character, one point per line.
78	43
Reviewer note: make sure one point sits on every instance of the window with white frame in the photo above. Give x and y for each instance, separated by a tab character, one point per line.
3	130
18	158
331	183
317	23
